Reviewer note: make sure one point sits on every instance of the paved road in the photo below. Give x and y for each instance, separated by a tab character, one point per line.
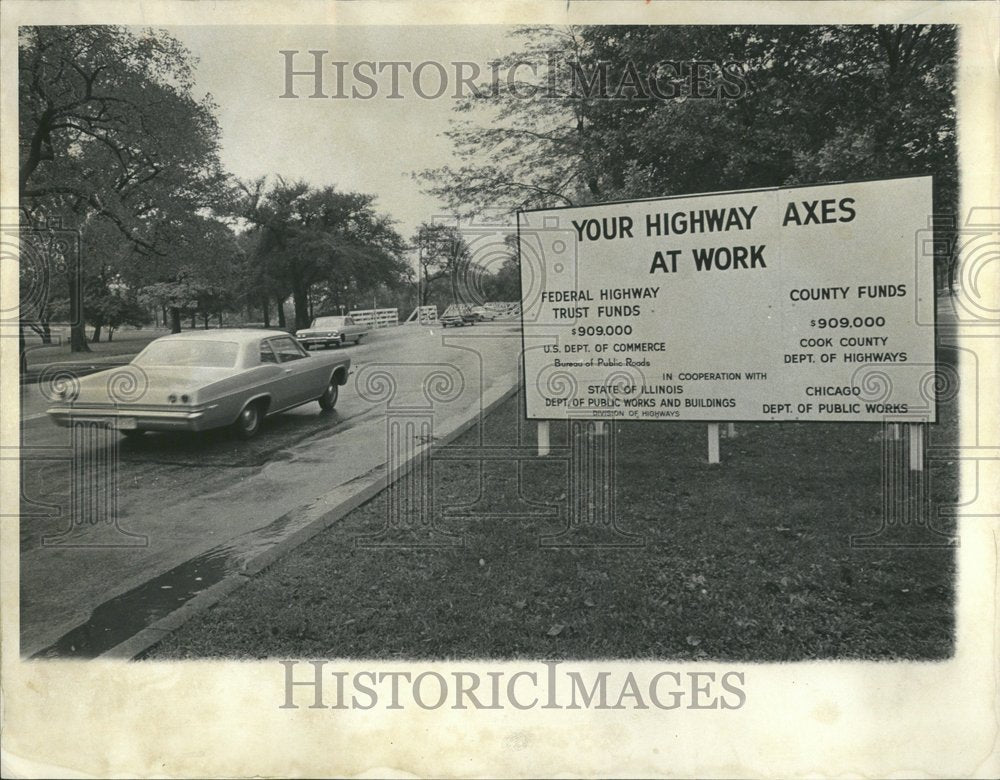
187	494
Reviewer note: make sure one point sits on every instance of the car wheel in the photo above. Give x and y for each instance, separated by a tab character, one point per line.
248	423
358	339
329	398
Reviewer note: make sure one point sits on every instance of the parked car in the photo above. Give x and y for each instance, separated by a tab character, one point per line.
328	331
210	379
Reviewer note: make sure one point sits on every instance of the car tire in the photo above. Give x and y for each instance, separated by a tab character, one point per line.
248	422
328	400
358	339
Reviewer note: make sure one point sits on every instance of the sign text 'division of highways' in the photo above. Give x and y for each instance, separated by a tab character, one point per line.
807	303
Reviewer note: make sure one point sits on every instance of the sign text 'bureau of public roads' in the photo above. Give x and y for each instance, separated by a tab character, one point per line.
804	303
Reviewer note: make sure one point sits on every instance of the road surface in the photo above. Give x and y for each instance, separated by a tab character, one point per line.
176	496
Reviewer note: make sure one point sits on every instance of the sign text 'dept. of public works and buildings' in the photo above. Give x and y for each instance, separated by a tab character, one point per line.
806	303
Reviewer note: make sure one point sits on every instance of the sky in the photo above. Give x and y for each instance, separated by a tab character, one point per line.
369	145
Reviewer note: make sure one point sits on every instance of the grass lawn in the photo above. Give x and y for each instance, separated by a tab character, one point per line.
126	341
748	560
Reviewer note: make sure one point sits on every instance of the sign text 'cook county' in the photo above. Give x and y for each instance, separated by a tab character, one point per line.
804	303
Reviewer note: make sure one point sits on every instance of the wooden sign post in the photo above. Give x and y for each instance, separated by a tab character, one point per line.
916	447
543	438
713	442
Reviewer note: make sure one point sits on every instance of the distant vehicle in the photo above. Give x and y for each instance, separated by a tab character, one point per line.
330	331
458	316
211	379
457	320
483	314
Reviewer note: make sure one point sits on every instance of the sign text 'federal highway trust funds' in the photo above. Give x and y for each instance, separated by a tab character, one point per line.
805	303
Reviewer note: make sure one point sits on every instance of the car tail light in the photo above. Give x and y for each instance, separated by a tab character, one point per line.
185	398
172	398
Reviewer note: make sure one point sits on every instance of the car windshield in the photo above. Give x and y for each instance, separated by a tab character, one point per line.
205	354
328	322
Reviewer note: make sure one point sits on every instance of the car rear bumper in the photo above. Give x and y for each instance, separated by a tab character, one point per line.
327	341
134	419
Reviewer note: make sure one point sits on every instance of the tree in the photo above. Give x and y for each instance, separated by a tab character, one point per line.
536	131
116	309
315	240
505	283
110	132
614	113
442	252
196	273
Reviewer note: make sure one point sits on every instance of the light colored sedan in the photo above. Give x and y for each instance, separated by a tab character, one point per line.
209	379
330	331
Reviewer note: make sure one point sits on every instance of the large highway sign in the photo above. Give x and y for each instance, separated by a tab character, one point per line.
804	303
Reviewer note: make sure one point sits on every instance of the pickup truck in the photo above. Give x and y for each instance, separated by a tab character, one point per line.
330	331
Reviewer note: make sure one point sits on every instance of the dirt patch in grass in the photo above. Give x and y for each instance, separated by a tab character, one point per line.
780	553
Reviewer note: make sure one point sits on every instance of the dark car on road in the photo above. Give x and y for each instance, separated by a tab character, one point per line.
457	317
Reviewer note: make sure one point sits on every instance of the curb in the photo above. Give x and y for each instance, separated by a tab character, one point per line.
326	510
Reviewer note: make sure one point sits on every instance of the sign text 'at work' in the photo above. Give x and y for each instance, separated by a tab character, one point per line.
631	310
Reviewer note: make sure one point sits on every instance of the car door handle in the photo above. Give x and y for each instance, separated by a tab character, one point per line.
288	370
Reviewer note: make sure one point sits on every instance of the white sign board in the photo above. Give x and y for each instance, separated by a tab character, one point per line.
802	303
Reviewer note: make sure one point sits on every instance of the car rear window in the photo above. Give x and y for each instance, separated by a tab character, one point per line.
286	349
266	353
329	322
204	354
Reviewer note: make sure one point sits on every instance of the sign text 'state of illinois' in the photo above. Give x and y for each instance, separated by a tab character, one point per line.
805	303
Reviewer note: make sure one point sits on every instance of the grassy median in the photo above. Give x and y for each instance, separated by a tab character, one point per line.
126	341
751	559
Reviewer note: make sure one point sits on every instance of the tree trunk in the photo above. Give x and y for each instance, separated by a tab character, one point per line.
175	319
204	317
77	329
163	318
111	332
194	320
96	338
78	338
46	332
219	313
281	313
267	312
300	297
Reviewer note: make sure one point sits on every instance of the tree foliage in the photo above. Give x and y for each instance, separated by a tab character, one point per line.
110	132
318	242
812	104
